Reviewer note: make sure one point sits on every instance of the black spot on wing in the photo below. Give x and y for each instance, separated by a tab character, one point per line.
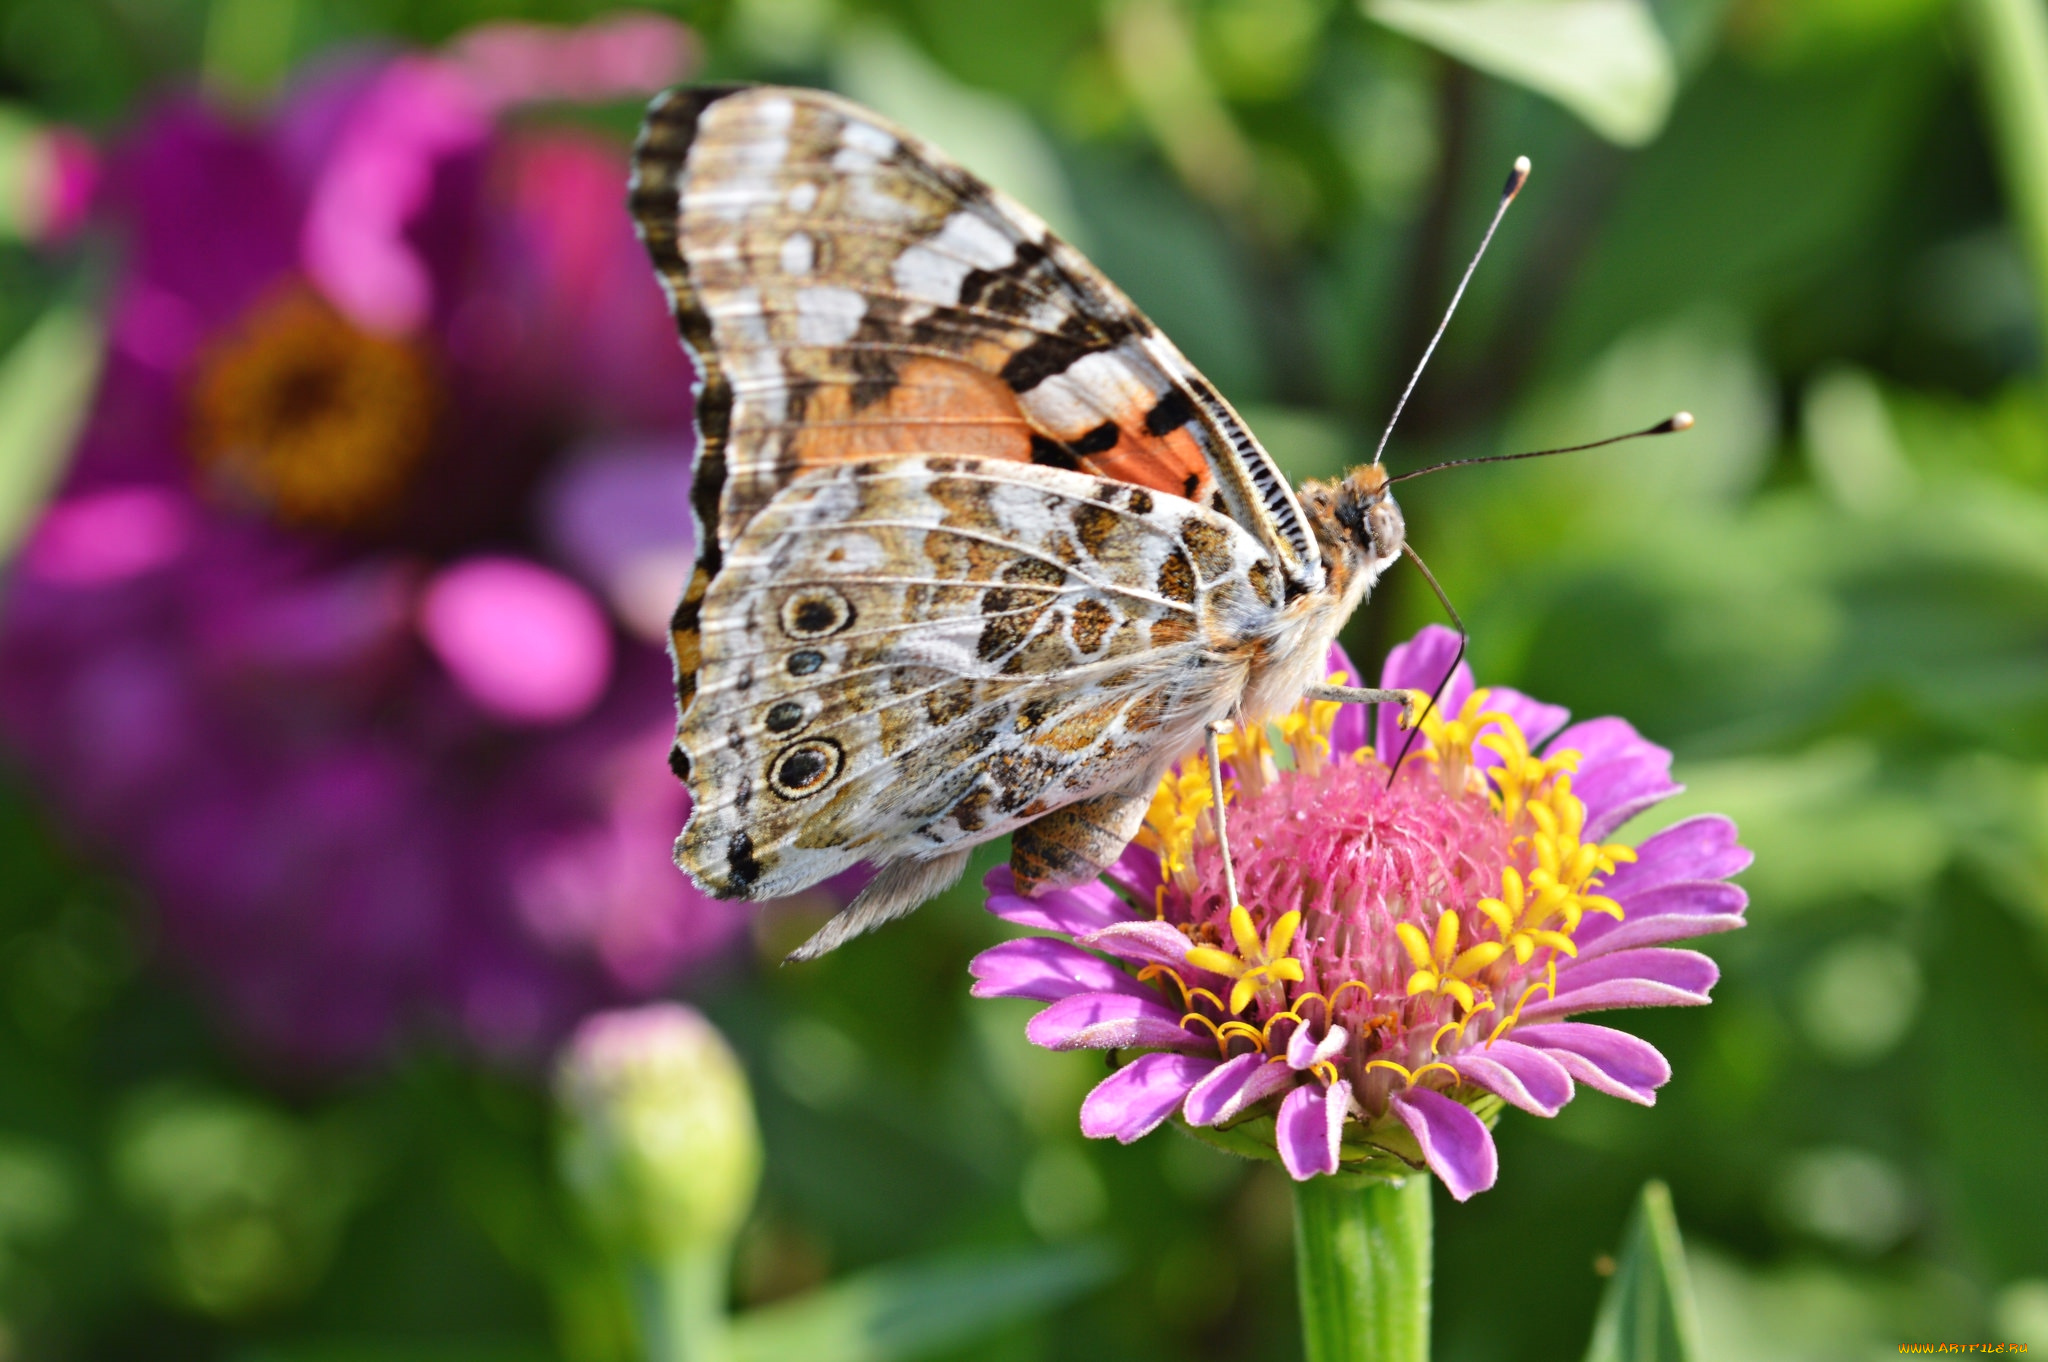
871	352
1169	413
1007	290
742	870
1098	440
1052	454
1056	352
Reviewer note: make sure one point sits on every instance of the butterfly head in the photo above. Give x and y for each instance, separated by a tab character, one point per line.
1363	505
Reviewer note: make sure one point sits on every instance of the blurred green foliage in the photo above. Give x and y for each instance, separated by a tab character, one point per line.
1831	600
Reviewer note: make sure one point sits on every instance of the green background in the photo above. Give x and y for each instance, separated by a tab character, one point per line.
1814	223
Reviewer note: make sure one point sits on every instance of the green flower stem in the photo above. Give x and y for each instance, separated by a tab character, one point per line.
1362	1260
2009	39
681	1306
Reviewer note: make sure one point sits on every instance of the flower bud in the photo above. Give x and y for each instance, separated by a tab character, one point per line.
48	173
660	1144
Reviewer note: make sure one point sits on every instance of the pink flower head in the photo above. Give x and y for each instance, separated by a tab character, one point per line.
1406	951
334	631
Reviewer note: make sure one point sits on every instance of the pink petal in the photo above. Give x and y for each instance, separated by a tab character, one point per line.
1420	664
624	55
1620	773
618	513
1700	848
1109	1021
1234	1086
526	644
1673	913
1147	943
1536	719
1519	1075
1047	969
1133	1101
1661	977
1311	1128
355	238
1136	870
99	538
1304	1051
1605	1060
1455	1143
1074	912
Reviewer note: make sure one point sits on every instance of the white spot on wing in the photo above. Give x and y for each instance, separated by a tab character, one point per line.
934	269
1093	389
799	253
862	146
803	196
753	135
828	316
758	381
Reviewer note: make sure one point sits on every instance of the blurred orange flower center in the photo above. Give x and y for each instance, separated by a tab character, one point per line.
310	417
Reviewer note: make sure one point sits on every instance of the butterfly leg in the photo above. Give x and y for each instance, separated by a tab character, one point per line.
1362	695
1217	728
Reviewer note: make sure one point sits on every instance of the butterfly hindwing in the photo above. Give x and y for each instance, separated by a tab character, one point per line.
906	656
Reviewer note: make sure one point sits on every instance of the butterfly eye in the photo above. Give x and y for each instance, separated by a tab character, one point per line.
1388	529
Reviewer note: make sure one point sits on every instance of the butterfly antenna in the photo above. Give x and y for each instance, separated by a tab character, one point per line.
1517	177
1670	425
1437	694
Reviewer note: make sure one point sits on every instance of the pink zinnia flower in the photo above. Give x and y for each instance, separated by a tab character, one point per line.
1406	952
344	627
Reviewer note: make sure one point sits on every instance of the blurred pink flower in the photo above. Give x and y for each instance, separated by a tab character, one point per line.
524	643
323	634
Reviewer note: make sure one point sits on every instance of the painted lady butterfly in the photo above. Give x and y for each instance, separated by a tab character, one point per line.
980	551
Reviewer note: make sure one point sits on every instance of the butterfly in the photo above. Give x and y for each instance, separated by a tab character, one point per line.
979	551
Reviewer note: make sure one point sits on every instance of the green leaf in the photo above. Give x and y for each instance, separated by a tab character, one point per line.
1648	1313
45	383
917	1309
2009	39
386	1350
1605	60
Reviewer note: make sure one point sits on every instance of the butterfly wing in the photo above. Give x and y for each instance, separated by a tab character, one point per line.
847	291
903	657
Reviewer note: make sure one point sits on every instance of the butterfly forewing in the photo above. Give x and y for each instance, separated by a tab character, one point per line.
848	291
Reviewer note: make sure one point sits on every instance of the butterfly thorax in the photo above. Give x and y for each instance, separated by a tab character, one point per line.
1359	531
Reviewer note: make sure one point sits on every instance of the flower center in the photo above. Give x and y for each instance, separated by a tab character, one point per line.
1415	915
317	421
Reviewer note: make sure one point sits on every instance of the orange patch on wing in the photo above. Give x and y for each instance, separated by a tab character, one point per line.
936	406
945	406
1170	463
